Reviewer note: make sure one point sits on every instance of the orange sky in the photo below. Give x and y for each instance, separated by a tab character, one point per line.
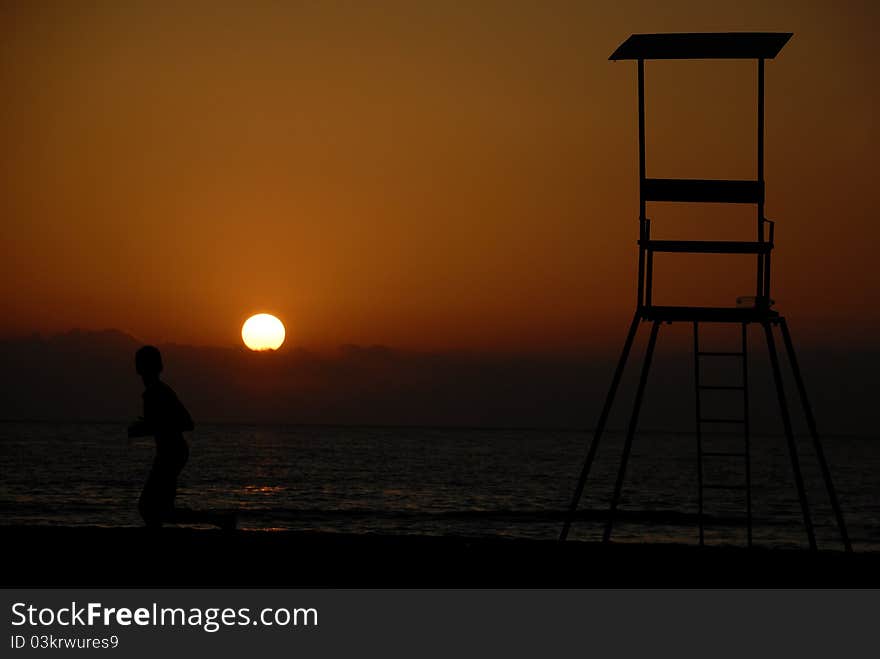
425	175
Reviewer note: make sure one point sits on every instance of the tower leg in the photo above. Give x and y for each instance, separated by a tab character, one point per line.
789	434
747	431
631	429
811	424
698	430
600	426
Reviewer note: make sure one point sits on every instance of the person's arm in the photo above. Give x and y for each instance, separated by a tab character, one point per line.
186	422
145	425
165	412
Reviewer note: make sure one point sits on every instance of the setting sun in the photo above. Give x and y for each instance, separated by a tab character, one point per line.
262	332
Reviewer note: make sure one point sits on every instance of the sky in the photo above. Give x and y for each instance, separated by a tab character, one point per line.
429	176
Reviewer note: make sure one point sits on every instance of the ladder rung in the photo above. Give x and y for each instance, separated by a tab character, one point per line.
722	387
724	487
722	420
720	354
723	454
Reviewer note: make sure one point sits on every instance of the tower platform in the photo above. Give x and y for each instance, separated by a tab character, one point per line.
708	314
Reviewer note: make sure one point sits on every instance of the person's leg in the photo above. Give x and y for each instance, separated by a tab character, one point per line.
157	497
147	508
183	515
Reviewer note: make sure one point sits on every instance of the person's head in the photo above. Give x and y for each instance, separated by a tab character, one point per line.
148	363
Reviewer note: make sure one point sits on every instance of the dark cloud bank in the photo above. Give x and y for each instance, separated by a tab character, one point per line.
84	375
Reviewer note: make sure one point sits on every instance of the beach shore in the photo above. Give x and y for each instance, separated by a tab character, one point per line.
182	557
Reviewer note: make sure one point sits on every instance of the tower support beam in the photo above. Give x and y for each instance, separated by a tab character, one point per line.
600	426
814	434
789	434
631	430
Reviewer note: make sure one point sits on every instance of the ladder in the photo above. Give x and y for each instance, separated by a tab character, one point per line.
742	421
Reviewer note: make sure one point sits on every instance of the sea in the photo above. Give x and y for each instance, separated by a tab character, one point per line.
473	482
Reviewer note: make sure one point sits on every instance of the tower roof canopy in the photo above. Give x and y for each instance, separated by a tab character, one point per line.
703	45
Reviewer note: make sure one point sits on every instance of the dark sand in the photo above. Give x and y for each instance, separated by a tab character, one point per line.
180	557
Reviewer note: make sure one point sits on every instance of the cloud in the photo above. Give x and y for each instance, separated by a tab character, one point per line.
86	375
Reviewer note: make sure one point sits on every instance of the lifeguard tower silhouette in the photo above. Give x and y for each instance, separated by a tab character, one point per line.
759	46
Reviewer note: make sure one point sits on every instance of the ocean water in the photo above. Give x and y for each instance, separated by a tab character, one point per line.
473	482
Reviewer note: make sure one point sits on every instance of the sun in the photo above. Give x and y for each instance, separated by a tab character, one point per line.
262	332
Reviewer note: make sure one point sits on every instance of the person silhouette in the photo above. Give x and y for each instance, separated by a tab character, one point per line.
166	419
